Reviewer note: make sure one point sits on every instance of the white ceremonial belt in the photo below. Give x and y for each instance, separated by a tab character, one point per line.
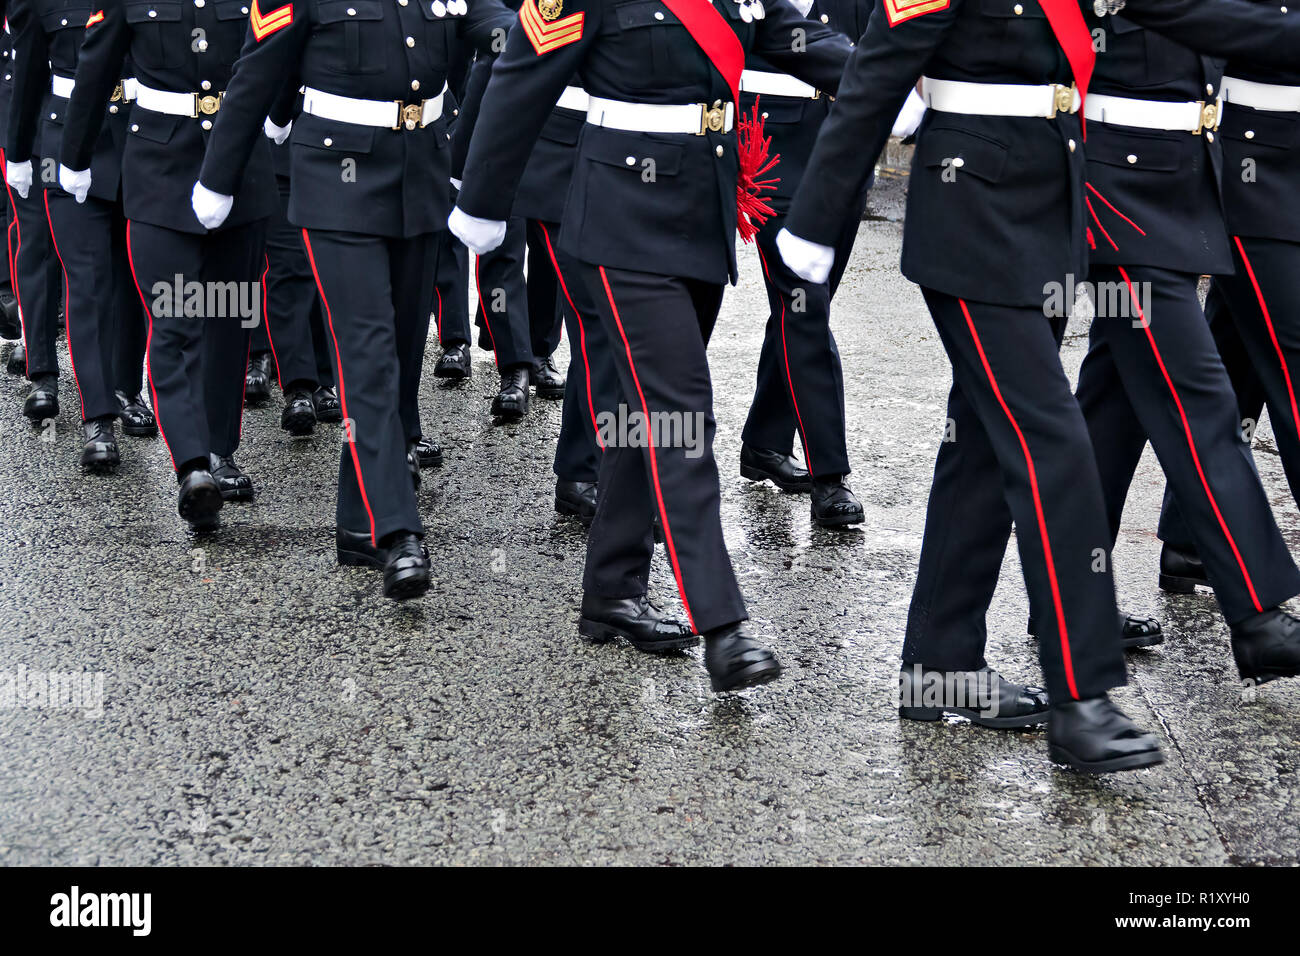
776	84
1152	114
574	98
177	104
129	88
697	118
1261	96
61	85
999	99
390	114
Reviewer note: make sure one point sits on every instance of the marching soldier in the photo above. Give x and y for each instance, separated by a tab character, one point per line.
10	325
182	53
451	286
999	175
800	386
105	327
658	190
369	174
1152	369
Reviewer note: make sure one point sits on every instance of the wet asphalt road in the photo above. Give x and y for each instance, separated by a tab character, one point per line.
264	706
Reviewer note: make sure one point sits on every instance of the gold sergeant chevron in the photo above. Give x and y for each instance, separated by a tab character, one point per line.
264	26
899	11
544	36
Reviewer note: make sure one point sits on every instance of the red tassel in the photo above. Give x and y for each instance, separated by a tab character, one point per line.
752	209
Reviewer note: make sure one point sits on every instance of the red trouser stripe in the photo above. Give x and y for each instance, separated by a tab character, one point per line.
348	422
803	436
582	330
654	462
438	293
1272	332
1191	443
266	321
1099	225
67	303
158	416
1066	658
483	308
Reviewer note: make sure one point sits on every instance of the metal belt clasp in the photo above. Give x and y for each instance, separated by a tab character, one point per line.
118	94
409	115
713	119
1062	99
1210	117
207	104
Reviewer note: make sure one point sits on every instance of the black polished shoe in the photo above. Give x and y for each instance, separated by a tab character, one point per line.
511	402
576	499
1134	631
1095	736
299	415
136	416
235	484
10	327
983	697
782	470
1267	646
257	382
636	620
454	363
735	661
355	549
99	446
1181	571
546	378
200	500
43	400
413	465
427	452
17	361
325	402
406	567
834	505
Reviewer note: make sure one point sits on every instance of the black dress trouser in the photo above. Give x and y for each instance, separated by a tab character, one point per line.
658	328
521	315
38	282
105	323
1254	316
197	362
1016	449
1152	372
294	326
375	291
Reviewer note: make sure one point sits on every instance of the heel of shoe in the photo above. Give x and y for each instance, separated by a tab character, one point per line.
752	473
593	632
920	713
1178	585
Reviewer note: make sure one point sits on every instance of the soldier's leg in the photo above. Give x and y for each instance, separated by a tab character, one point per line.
234	255
39	284
376	495
289	300
1182	396
503	298
451	299
545	316
1006	364
413	266
132	323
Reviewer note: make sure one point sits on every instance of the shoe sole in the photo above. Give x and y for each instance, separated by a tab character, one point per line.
36	417
430	462
790	488
843	522
139	431
1128	643
330	418
299	424
202	510
100	463
408	584
241	495
595	632
455	375
1035	719
357	559
256	399
1176	584
573	511
551	394
1148	758
754	675
508	414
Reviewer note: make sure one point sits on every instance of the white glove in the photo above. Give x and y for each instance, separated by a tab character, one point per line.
210	208
277	133
909	117
19	176
805	259
75	181
480	235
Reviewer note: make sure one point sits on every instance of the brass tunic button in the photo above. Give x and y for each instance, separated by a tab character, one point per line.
1250	134
1132	158
1019	9
415	84
328	142
720	151
410	41
206	124
1072	146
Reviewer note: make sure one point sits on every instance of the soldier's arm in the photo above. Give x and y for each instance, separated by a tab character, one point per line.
882	69
539	60
486	24
31	73
270	57
803	48
1269	33
99	69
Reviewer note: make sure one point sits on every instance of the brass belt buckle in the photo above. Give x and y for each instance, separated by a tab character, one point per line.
1209	118
1062	100
713	119
206	104
118	94
409	115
